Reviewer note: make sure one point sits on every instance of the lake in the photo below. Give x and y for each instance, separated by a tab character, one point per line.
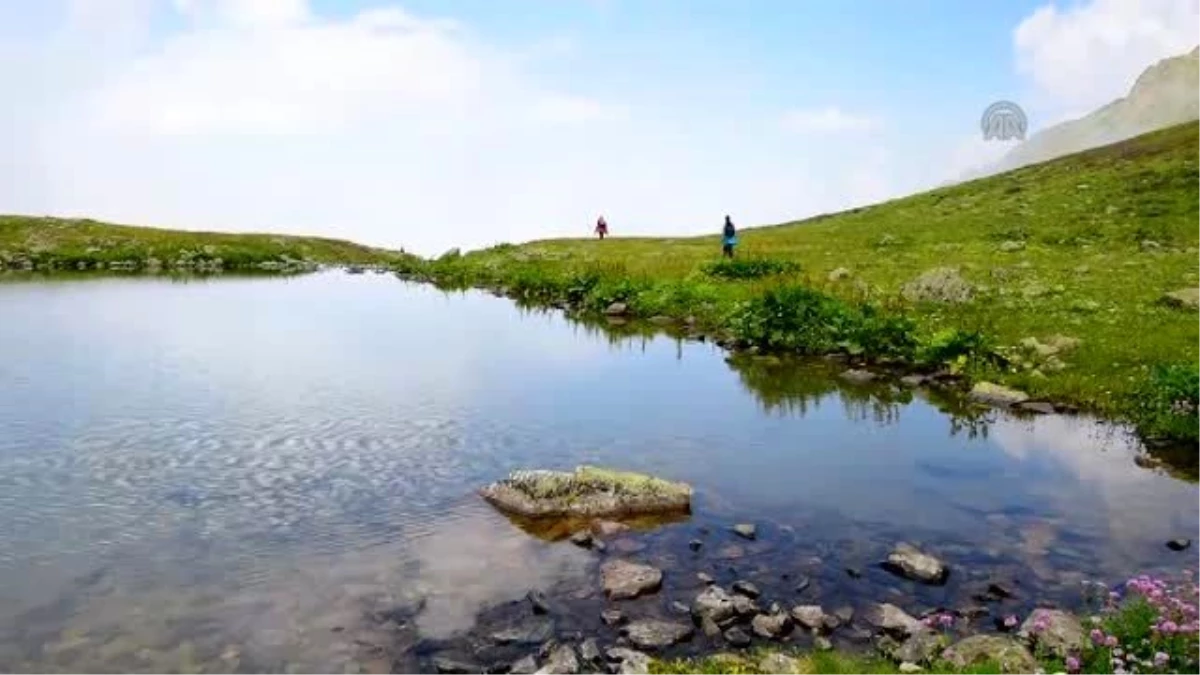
248	474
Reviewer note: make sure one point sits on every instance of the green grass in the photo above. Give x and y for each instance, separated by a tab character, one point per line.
1082	247
69	244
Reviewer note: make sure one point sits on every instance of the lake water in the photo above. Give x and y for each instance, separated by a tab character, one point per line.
276	474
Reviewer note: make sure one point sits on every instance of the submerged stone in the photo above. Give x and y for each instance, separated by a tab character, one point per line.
908	561
587	492
623	580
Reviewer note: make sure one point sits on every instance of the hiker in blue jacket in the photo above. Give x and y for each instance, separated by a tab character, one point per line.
729	239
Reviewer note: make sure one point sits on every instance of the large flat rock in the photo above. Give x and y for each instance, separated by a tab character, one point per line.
586	492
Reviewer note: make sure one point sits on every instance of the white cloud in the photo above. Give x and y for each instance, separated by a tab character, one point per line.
830	119
1087	55
575	109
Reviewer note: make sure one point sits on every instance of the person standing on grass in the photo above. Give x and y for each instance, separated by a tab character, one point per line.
602	227
729	238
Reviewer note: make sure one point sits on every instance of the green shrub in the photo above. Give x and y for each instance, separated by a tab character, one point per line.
1164	405
954	347
749	268
799	319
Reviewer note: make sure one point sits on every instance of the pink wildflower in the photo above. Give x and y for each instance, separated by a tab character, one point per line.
1010	621
1167	627
1160	659
1110	641
1097	636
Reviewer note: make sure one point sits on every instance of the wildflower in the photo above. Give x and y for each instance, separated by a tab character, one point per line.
1072	664
1097	636
946	620
1110	641
1167	627
1160	659
1010	621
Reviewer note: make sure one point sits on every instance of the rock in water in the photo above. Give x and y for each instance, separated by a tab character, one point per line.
1179	544
745	588
892	620
526	665
656	634
811	617
623	580
713	603
857	376
745	530
736	637
994	394
589	653
562	661
582	539
1010	655
628	661
445	664
537	600
612	617
771	626
586	492
744	606
617	309
534	632
1054	631
907	561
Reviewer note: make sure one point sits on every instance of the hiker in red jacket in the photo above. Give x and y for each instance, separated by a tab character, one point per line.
602	228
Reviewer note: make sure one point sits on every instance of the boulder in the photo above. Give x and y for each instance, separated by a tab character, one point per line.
446	664
771	626
713	603
562	660
586	492
858	376
628	661
526	665
778	663
612	617
736	637
1054	631
1184	298
1179	544
745	588
624	580
938	285
1010	655
656	633
994	394
589	653
921	647
616	309
744	606
534	632
892	620
809	616
908	561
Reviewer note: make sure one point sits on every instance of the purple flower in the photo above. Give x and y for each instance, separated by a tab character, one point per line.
1167	627
946	620
1160	659
1110	641
1097	636
1010	621
1072	664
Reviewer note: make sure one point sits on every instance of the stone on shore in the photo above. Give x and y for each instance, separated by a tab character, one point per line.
908	561
586	492
1054	631
713	603
562	661
778	663
771	626
628	661
656	633
624	580
736	637
811	617
745	588
892	620
1010	655
996	395
1184	298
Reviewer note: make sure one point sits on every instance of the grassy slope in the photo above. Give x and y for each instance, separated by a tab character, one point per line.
1083	272
68	242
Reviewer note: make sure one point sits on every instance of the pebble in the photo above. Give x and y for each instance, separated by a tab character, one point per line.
745	531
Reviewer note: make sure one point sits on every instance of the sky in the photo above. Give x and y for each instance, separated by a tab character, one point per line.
431	124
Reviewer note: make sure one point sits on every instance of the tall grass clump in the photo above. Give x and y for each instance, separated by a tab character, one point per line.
1165	404
799	319
748	268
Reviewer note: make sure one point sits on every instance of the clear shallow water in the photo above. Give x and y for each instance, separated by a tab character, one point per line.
278	473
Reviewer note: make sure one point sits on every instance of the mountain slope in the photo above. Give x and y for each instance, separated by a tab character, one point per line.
1165	94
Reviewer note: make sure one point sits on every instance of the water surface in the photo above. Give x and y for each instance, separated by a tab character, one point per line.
278	473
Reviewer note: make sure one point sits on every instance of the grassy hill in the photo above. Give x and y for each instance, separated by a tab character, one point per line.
1052	278
55	243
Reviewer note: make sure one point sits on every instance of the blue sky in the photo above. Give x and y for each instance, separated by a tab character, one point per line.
435	123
